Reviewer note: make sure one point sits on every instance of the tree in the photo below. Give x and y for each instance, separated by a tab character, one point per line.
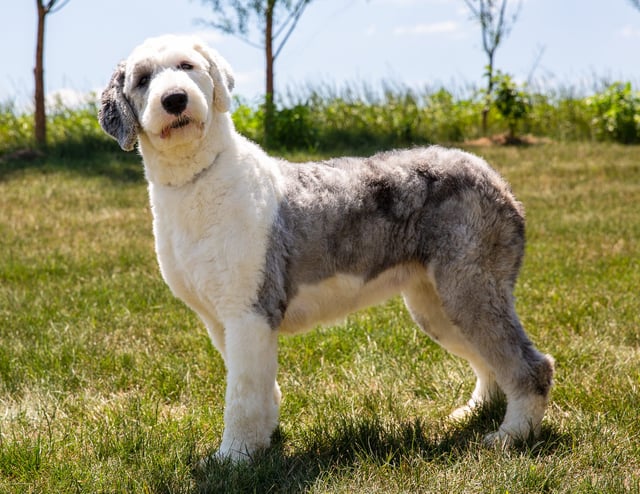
491	15
44	8
275	19
511	102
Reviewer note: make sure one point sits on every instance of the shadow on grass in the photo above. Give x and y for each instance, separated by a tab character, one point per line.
340	446
90	159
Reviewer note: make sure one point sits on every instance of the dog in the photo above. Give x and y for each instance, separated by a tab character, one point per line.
258	246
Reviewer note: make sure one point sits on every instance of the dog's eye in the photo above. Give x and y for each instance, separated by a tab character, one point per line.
186	66
143	81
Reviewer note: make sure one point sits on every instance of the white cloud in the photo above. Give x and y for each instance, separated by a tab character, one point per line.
446	27
629	32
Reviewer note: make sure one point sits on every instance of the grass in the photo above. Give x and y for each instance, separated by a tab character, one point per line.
108	384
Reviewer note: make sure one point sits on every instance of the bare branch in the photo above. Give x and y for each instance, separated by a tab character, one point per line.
293	18
55	5
275	19
493	22
474	12
294	13
228	29
235	16
495	27
536	62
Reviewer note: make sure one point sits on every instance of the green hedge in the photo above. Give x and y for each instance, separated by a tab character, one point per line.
356	118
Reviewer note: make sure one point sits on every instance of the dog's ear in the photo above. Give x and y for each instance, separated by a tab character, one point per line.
222	75
116	116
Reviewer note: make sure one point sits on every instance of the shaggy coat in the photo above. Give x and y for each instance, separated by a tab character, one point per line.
258	246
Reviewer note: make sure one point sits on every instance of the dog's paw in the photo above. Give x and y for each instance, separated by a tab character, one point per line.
465	411
461	413
235	455
499	439
221	456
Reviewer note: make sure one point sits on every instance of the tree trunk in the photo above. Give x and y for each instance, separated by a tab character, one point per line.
40	115
485	117
269	108
487	101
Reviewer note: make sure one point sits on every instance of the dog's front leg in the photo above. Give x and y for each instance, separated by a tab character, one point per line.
252	395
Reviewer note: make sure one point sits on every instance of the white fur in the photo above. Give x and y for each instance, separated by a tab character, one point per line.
334	298
191	243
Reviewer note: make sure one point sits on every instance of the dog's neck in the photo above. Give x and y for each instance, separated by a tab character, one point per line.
183	165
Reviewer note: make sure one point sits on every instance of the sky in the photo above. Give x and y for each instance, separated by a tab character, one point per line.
417	43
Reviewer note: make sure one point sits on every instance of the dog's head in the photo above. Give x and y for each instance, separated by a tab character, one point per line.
167	90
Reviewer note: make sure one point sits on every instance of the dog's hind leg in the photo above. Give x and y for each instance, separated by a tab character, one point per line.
481	305
252	397
472	315
425	307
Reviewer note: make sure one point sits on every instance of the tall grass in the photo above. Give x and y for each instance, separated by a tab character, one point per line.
325	117
70	131
362	116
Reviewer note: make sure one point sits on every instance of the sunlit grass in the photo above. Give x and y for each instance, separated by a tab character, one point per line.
108	384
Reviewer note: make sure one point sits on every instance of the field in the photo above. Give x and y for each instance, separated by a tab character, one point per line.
109	384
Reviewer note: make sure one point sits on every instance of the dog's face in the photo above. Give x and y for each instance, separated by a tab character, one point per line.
167	91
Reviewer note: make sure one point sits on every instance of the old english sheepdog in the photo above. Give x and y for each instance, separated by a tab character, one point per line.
259	247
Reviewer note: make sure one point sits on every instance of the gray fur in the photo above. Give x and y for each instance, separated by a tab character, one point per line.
364	216
116	116
441	208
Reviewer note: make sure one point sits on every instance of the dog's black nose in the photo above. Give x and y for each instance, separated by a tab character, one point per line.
174	101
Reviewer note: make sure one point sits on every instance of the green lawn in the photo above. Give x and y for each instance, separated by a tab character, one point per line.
108	384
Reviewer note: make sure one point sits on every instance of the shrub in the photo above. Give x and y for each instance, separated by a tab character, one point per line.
616	114
76	131
511	101
249	122
294	128
449	120
358	117
69	130
16	130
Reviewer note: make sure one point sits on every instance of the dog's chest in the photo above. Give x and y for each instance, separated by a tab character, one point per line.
210	248
185	239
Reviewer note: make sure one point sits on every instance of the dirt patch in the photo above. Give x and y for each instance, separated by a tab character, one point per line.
507	140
